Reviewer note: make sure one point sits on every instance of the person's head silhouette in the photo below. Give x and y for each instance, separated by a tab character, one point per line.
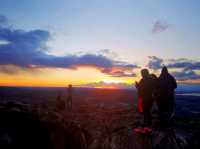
144	73
164	70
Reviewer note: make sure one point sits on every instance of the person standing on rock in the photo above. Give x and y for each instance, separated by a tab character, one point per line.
69	97
145	91
60	103
166	100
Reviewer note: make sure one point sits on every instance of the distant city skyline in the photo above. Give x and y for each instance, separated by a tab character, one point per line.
97	43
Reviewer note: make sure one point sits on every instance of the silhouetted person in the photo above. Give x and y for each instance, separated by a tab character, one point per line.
155	87
69	97
166	100
60	104
145	90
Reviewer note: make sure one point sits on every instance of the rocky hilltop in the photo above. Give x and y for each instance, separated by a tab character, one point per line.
28	126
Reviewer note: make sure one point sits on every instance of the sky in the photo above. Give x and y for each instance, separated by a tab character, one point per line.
97	42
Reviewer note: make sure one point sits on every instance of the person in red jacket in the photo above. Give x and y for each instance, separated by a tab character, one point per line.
145	91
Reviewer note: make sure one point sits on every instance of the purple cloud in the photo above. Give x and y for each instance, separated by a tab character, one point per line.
155	62
185	64
186	67
186	75
160	26
28	48
119	72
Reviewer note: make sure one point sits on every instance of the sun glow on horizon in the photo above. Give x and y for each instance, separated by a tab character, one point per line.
57	77
106	87
111	81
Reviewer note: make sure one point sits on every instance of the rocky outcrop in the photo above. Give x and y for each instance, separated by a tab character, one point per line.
27	126
21	126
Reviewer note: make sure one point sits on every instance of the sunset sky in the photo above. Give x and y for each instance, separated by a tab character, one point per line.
97	43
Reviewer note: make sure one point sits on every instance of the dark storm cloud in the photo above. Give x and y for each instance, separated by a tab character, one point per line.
159	26
27	49
155	62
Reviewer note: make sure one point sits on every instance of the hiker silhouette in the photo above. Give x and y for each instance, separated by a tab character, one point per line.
69	97
166	99
146	87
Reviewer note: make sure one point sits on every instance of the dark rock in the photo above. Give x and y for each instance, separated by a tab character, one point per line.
22	128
